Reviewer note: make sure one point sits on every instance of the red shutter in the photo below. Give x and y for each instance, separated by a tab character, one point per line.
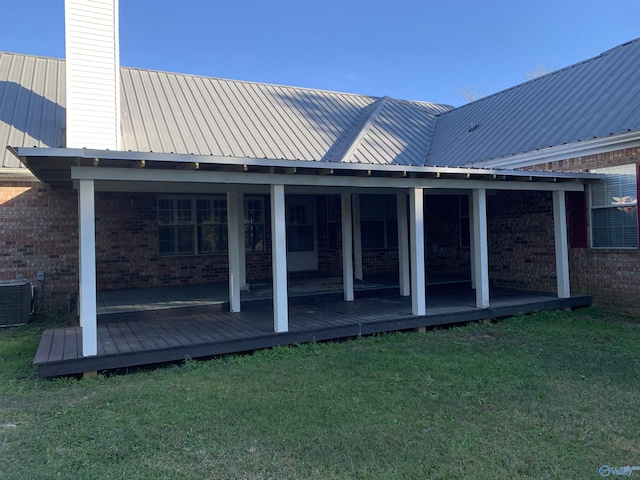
577	210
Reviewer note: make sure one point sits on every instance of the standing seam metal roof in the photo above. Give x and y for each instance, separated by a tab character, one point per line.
591	99
183	114
31	94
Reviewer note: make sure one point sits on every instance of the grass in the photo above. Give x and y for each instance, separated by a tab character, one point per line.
551	395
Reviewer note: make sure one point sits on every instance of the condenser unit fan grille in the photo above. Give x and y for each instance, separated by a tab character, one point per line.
15	302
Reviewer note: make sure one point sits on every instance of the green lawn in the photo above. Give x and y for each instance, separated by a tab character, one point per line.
552	395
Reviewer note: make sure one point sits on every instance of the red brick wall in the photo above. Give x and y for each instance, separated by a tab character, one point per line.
610	276
127	249
442	234
521	240
38	231
581	164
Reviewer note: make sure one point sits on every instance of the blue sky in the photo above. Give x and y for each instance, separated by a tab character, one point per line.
412	49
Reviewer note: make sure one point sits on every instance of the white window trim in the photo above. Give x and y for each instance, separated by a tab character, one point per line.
194	223
593	207
193	199
384	221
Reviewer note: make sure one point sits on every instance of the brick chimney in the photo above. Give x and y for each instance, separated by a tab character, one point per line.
93	74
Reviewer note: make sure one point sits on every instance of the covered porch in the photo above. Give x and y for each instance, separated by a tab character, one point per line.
195	327
233	180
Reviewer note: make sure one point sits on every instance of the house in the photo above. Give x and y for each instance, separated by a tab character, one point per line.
119	177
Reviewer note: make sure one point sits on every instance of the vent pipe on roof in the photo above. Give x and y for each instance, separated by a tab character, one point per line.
93	74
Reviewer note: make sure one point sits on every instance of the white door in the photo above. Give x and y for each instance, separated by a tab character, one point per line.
302	247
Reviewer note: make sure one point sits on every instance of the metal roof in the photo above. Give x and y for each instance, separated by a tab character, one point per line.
389	132
168	112
185	114
591	99
32	91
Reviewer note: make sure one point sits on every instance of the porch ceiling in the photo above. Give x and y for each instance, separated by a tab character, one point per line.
124	171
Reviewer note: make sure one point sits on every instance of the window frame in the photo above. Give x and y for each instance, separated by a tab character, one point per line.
250	224
389	215
197	227
334	221
609	207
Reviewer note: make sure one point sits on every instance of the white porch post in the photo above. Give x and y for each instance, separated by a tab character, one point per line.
347	250
87	267
562	251
480	247
357	237
418	276
403	245
235	244
279	259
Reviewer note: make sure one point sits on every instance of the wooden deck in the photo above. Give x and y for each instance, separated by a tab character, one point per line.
130	340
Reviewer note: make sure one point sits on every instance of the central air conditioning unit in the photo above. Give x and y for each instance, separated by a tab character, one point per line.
15	302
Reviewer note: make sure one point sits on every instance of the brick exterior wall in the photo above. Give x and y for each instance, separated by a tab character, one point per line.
38	231
521	240
611	276
442	236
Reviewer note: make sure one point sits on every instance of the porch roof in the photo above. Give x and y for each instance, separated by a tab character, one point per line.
60	166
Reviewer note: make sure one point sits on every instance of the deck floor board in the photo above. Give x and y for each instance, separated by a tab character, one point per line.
158	339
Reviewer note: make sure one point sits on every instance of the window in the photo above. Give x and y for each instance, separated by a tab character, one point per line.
197	225
333	221
192	225
175	219
463	209
211	220
614	209
300	224
378	222
254	224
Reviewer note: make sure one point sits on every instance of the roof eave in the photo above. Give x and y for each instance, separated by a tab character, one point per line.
581	148
25	153
17	175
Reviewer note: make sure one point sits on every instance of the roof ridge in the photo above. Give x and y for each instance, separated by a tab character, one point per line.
378	105
421	105
232	80
252	82
547	75
43	57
